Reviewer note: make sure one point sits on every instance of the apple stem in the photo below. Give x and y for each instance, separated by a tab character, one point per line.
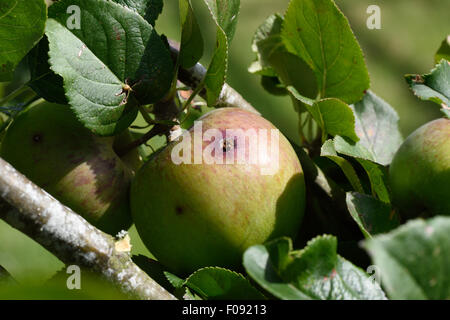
14	94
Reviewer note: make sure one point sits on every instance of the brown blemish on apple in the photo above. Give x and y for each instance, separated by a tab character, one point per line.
102	168
37	137
179	210
228	145
82	180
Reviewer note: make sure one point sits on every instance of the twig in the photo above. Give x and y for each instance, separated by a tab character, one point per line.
145	115
68	236
194	76
14	94
155	131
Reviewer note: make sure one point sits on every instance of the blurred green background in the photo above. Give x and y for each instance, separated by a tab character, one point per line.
412	31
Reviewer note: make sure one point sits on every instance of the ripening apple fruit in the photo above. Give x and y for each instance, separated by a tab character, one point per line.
193	212
420	171
52	148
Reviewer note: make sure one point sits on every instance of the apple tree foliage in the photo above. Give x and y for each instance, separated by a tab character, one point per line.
111	64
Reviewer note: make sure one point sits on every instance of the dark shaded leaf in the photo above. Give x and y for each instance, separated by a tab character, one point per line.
191	46
371	215
149	9
213	283
328	151
44	81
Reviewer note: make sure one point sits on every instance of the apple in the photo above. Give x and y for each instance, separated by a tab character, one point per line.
53	149
198	212
420	171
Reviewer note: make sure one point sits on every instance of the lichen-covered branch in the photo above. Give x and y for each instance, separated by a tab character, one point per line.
68	236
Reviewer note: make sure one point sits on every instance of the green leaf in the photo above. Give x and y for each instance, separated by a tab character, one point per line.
214	283
333	116
44	81
371	215
174	280
444	51
22	24
273	86
191	46
149	9
127	44
352	149
95	65
414	260
376	124
318	32
265	40
225	14
305	100
328	151
434	86
189	295
258	265
377	174
378	179
291	70
274	60
217	70
94	92
336	118
316	272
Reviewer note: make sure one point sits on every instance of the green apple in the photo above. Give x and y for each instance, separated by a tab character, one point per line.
192	213
420	171
52	148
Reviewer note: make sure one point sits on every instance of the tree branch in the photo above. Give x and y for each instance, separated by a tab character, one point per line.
68	236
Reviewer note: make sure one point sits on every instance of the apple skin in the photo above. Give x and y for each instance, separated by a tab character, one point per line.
195	215
420	171
51	147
